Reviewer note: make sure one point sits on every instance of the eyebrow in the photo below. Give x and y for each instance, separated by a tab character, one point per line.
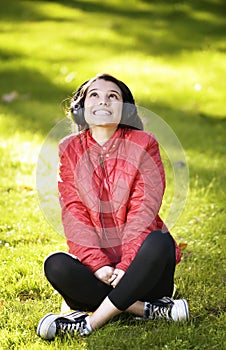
94	89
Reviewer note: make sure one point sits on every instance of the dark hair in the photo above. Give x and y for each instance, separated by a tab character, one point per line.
130	118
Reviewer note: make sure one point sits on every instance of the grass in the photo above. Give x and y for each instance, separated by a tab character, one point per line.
172	55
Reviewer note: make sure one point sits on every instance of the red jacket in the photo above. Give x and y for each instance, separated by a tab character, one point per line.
110	196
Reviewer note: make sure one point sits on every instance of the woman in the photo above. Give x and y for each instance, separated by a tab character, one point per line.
121	256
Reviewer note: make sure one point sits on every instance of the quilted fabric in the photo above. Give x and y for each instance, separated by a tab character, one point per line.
110	195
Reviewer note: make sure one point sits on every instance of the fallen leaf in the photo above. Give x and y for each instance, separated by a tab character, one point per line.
10	97
26	188
183	245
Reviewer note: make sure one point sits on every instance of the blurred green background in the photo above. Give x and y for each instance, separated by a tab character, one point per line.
172	55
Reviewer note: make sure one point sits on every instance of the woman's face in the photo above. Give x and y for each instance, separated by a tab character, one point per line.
103	104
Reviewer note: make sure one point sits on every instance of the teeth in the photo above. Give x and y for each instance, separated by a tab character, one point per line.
102	112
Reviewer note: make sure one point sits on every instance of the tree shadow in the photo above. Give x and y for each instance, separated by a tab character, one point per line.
20	11
37	103
161	28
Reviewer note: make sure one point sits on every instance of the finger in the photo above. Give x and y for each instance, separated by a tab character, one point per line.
116	281
113	284
113	277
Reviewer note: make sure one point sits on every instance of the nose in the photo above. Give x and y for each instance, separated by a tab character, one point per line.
103	100
103	103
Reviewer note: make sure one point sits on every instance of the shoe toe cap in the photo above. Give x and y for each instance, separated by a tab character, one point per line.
47	327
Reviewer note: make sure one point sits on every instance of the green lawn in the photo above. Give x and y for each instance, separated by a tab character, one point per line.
172	54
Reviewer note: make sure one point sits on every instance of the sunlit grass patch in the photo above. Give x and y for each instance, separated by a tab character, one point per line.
172	56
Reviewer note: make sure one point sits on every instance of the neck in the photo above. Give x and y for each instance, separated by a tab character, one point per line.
101	133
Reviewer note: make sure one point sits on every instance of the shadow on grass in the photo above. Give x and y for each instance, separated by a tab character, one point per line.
156	28
163	27
159	28
37	105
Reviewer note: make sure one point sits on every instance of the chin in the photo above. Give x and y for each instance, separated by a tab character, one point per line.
107	125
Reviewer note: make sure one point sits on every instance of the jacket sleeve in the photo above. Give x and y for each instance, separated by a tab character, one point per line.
144	203
77	224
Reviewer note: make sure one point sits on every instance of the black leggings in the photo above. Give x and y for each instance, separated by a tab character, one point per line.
150	276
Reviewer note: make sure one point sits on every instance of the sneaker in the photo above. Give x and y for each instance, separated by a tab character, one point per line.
52	324
174	310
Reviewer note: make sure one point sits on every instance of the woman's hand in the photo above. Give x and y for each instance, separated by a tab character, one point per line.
116	276
104	274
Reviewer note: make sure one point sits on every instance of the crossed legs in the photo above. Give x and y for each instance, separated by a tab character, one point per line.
149	277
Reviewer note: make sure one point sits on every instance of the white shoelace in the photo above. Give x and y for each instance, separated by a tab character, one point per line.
72	326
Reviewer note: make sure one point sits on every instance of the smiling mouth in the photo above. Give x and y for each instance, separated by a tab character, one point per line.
102	112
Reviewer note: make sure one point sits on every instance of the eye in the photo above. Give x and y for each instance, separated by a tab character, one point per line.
93	94
113	96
